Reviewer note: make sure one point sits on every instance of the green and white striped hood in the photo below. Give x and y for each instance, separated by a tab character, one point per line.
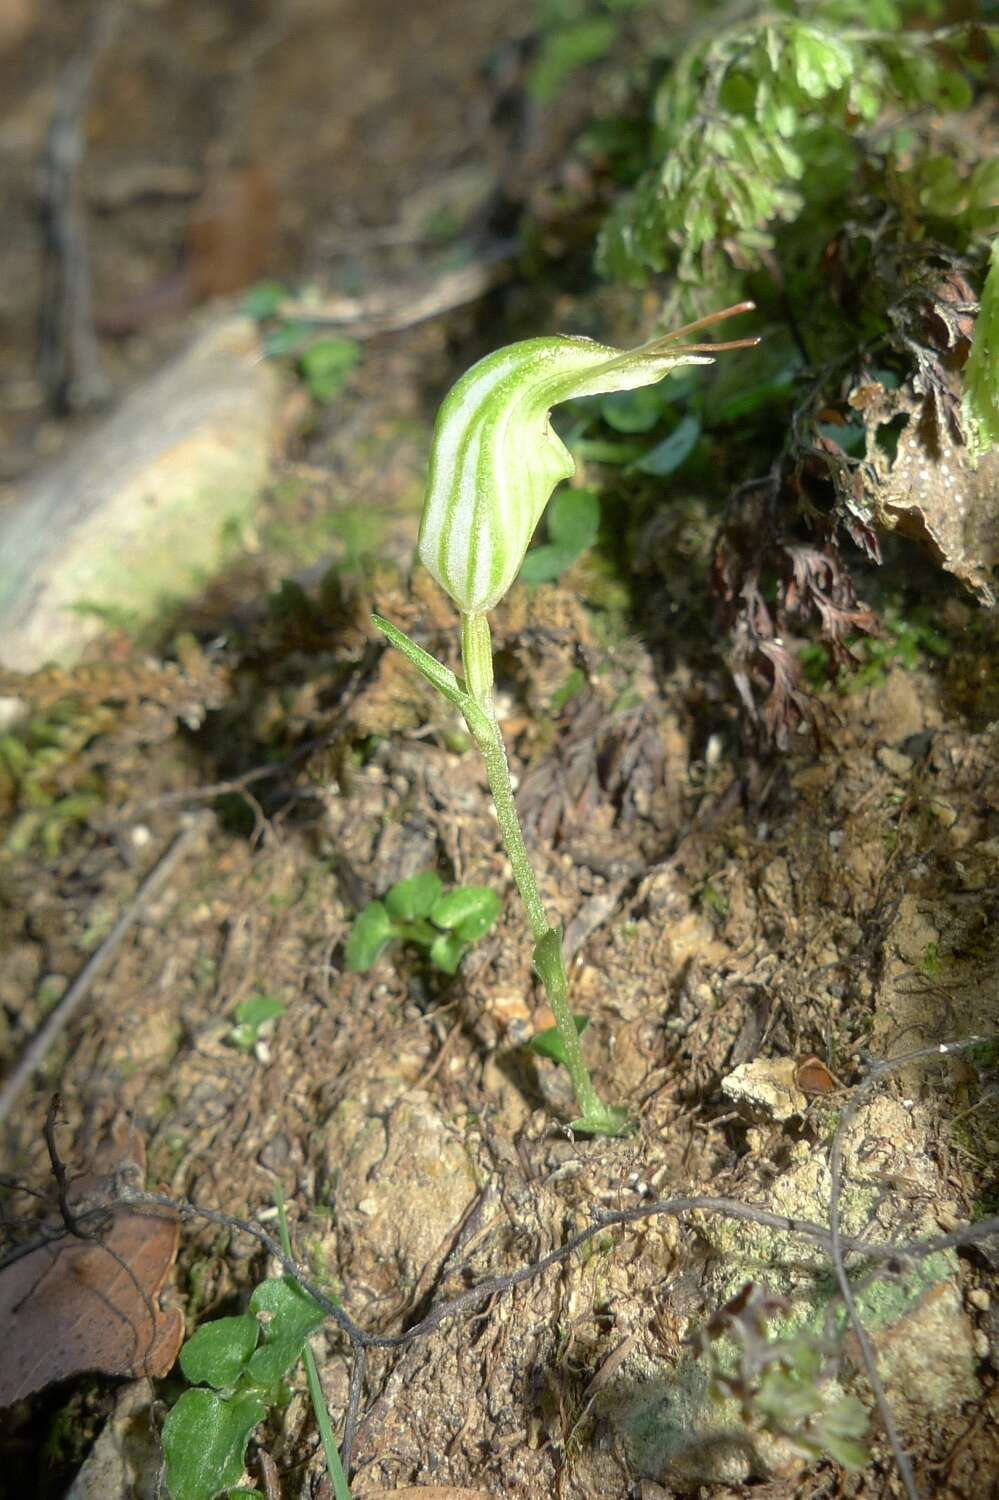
495	459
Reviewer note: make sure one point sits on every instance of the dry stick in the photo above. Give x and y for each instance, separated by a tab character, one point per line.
387	310
69	1218
38	1049
71	369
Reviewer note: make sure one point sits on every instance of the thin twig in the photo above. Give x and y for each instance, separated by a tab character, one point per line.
729	1208
71	369
69	1218
38	1049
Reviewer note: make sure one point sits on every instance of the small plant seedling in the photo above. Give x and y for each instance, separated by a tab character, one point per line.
418	911
251	1017
325	365
236	1368
782	1385
494	465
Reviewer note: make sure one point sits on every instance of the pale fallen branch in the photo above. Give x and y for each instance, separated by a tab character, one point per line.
390	309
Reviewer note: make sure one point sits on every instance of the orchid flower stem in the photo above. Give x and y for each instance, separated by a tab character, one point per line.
480	716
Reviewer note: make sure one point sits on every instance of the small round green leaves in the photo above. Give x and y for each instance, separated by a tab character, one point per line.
373	929
420	912
495	459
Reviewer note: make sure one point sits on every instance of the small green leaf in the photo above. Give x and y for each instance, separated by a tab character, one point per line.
263	300
326	365
217	1353
983	188
446	952
573	519
841	1432
371	931
413	898
287	338
573	684
566	49
469	911
668	455
546	564
204	1440
573	522
550	1044
635	411
821	63
290	1315
251	1016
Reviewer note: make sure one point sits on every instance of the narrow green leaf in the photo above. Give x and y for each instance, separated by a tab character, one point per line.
204	1441
668	455
371	931
550	1044
334	1468
413	898
217	1353
434	671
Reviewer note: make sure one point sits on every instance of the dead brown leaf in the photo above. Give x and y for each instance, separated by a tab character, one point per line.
930	491
77	1305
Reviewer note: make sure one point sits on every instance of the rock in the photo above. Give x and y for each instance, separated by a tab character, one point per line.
136	513
126	1460
894	761
404	1179
766	1088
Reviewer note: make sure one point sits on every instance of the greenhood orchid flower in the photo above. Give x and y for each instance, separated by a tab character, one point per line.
495	460
494	464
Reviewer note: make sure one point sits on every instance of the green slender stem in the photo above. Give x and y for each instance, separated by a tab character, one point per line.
476	645
476	651
334	1468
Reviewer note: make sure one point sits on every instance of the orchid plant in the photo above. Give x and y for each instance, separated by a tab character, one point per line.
494	464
